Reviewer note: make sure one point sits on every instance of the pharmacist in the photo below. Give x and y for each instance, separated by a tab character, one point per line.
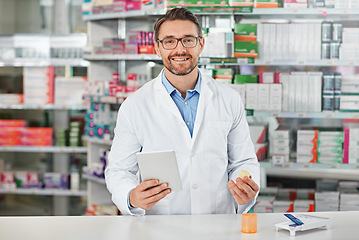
200	119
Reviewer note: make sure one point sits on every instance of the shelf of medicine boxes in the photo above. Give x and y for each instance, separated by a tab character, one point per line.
41	107
325	114
37	191
271	62
313	170
44	63
114	57
349	13
46	149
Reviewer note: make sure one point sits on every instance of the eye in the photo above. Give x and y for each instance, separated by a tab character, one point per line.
188	40
169	41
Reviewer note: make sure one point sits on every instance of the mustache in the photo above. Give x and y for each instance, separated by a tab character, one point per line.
180	55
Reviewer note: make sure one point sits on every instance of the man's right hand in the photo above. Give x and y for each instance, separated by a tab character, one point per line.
148	193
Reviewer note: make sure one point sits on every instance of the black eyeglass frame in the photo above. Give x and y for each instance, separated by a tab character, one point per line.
178	39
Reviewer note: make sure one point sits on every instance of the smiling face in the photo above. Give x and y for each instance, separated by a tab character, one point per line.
179	61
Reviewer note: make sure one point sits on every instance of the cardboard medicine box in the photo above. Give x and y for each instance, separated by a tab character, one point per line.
246	49
245	32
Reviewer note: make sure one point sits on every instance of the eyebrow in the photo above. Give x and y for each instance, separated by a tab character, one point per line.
172	36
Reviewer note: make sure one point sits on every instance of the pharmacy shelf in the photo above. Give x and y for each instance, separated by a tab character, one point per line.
313	171
116	57
41	107
44	63
334	115
94	179
104	99
294	12
271	62
323	62
325	12
103	141
127	14
51	192
47	149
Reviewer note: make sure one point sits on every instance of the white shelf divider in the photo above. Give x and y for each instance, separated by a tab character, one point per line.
333	115
41	107
94	179
44	63
37	191
314	171
48	149
114	57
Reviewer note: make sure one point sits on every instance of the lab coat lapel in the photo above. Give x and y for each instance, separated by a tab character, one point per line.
204	98
165	99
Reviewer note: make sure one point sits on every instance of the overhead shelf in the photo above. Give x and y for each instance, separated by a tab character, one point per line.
272	62
44	63
98	140
334	115
114	57
94	179
321	12
314	171
41	107
37	191
47	149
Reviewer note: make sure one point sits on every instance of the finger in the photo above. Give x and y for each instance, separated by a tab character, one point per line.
232	186
154	199
250	182
246	189
155	190
148	184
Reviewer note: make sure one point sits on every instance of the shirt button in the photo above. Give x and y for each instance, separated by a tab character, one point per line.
194	186
188	123
192	154
185	103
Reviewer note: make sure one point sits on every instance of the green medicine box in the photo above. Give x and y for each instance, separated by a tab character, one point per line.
241	79
246	49
245	32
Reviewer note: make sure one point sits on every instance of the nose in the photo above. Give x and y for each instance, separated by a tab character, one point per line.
180	47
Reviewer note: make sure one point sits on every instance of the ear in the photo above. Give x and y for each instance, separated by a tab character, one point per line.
157	48
201	44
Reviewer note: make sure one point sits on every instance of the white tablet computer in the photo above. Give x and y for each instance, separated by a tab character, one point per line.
161	165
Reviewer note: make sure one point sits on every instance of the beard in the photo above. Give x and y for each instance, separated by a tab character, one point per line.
175	70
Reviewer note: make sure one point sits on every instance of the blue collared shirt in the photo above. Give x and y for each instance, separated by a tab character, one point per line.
187	106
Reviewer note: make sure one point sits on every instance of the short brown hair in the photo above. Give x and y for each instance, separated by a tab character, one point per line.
176	14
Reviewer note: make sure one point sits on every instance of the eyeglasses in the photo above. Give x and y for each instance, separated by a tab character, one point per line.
171	43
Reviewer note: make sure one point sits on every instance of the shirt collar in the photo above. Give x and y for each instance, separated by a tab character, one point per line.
170	88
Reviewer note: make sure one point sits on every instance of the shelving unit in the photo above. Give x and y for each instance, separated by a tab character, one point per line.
45	149
116	24
45	192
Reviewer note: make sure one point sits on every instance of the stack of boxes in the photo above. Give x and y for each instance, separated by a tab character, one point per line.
331	39
39	85
282	140
302	91
331	91
14	133
266	3
349	49
245	40
326	201
351	146
140	42
264	97
223	75
307	141
330	147
69	91
295	3
349	196
349	98
259	136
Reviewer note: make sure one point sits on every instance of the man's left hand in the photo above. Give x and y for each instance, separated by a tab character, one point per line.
243	190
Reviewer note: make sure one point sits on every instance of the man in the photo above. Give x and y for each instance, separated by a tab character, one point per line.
200	119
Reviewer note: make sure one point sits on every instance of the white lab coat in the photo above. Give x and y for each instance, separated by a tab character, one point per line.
220	147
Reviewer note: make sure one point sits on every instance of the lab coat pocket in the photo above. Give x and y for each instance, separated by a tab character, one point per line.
224	202
215	134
